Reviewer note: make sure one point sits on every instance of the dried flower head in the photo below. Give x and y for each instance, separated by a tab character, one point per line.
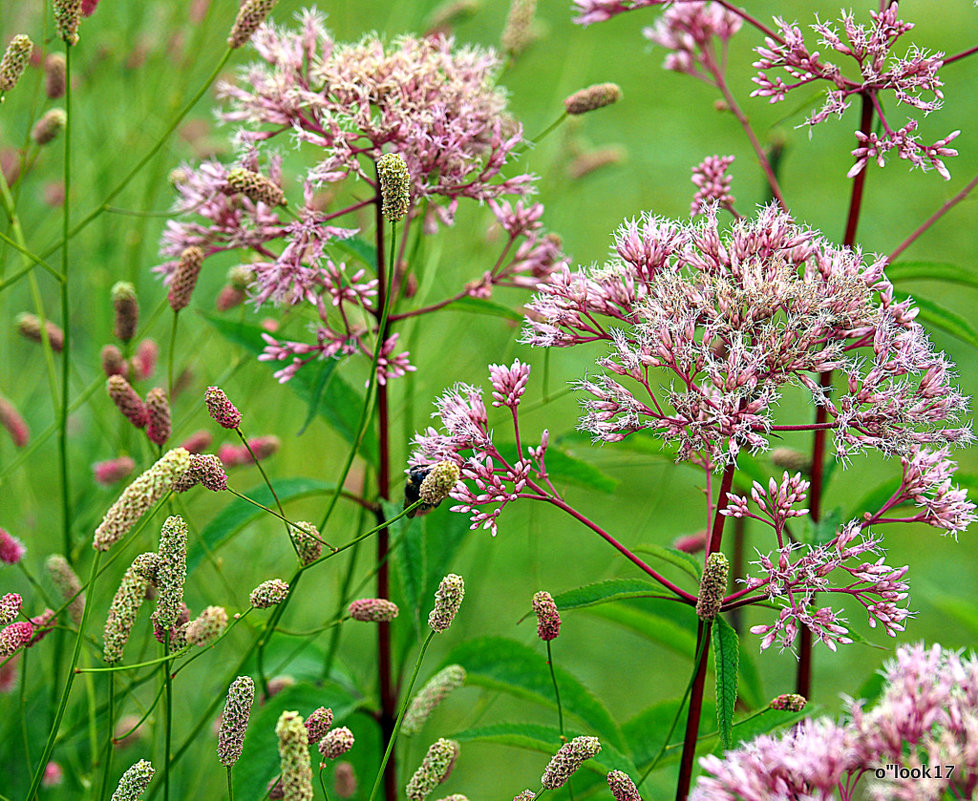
592	97
14	637
622	786
318	723
336	742
134	782
184	278
158	413
255	186
139	497
12	550
14	61
307	540
55	75
207	626
373	610
713	586
11	420
126	310
439	482
171	572
269	593
293	748
427	699
10	605
434	769
49	126
127	400
567	760
395	186
234	720
448	599
66	580
789	702
250	16
548	618
221	409
125	606
29	326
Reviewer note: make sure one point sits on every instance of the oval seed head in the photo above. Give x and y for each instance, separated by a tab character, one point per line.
205	469
789	702
518	33
251	14
14	637
221	409
10	605
593	97
113	470
791	460
345	780
207	626
47	128
125	606
713	586
438	688
158	411
171	572
337	742
434	769
126	310
548	618
12	550
234	720
440	481
269	593
293	749
113	362
373	610
134	782
127	400
29	327
307	540
318	723
255	186
68	584
185	277
11	420
448	599
395	186
55	75
622	786
14	61
567	760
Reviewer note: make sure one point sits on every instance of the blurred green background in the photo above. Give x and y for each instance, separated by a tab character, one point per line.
137	64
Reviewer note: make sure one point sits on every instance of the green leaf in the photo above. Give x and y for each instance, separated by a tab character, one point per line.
259	762
519	670
237	514
316	393
752	468
931	271
450	531
546	740
602	592
484	306
337	401
667	632
766	722
873	500
359	248
686	562
871	689
954	324
646	732
825	529
726	649
562	467
963	611
750	688
409	559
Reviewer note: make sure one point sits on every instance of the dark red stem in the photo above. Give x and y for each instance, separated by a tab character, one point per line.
695	712
718	519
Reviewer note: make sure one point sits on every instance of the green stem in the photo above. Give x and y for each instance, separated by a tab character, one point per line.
278	503
230	787
168	705
65	324
69	680
400	716
169	360
553	677
107	766
322	783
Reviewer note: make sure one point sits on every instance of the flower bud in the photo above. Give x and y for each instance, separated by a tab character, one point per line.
185	277
234	720
126	310
336	742
251	14
269	593
395	186
135	780
54	776
713	586
68	584
67	16
567	760
548	618
113	470
434	769
207	627
593	97
55	75
125	606
47	128
440	481
113	362
158	413
11	420
29	327
373	610
622	786
448	599
307	540
439	687
789	702
255	186
221	409
293	749
127	401
318	723
14	61
12	550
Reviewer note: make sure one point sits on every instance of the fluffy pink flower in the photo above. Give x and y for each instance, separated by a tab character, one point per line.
713	184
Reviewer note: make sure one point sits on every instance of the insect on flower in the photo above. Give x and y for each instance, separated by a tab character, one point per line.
412	489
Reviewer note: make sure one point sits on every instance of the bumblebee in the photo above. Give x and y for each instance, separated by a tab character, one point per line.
412	490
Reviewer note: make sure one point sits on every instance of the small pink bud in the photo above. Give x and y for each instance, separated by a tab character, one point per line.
548	618
113	470
127	401
221	409
12	550
11	420
158	412
185	277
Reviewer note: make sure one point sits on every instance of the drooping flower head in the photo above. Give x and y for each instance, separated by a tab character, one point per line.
568	759
427	699
63	577
207	626
12	550
434	768
125	605
448	599
293	748
14	61
221	409
11	420
373	610
134	782
336	742
269	593
318	723
234	720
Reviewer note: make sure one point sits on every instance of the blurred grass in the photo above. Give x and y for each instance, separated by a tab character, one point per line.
136	65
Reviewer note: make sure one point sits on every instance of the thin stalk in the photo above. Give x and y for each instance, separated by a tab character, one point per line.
553	678
169	360
231	787
107	764
400	718
695	712
168	715
924	226
322	782
66	325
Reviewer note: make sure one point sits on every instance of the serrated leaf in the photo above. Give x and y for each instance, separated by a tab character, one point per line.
546	740
562	467
661	630
238	513
602	592
519	670
931	271
338	402
259	761
686	562
726	650
951	322
472	305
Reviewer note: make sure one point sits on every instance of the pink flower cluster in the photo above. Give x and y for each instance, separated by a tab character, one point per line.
690	31
926	717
